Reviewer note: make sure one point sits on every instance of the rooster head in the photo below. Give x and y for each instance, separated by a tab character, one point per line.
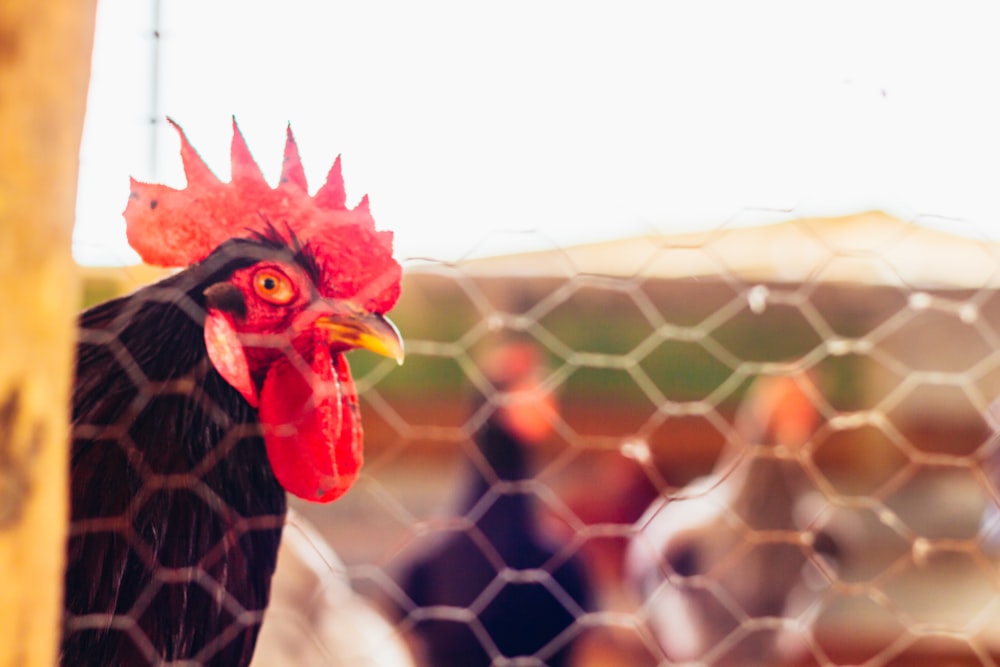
314	281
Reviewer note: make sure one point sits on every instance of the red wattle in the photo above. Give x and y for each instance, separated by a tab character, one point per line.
226	353
312	429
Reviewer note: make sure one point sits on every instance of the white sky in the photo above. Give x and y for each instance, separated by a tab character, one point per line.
574	121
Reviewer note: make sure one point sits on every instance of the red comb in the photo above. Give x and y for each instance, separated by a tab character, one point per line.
170	227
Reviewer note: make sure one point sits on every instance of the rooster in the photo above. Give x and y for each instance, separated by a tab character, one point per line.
200	400
535	592
747	548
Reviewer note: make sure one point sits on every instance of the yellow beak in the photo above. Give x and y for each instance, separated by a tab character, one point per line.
372	332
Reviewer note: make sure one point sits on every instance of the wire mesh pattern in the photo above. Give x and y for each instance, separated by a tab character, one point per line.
884	493
676	512
709	534
170	509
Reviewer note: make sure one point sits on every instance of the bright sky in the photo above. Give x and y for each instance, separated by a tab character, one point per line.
471	123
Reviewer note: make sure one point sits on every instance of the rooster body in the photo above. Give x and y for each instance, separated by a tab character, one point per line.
113	573
198	402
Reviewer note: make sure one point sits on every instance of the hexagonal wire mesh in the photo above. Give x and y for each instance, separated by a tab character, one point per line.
772	445
804	408
855	525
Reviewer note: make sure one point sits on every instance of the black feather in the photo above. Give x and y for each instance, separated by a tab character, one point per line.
294	250
176	515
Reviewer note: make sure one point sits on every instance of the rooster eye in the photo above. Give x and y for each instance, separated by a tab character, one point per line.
273	286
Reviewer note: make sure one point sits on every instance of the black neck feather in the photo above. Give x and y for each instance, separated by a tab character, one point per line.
176	513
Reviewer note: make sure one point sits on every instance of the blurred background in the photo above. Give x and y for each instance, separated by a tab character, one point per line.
672	206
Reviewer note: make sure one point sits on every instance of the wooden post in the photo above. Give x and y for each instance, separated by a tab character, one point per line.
45	51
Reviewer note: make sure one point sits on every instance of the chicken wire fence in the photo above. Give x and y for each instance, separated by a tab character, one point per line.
768	447
750	445
850	512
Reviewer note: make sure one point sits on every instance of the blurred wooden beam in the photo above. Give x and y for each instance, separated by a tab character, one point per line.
45	52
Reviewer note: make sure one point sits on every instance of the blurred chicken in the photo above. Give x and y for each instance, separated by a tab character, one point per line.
315	619
524	593
727	566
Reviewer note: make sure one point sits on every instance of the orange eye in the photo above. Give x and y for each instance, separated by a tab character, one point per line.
273	286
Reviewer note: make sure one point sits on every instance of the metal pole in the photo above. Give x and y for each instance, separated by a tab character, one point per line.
154	95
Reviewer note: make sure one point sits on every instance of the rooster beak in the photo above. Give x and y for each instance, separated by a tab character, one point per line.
370	331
